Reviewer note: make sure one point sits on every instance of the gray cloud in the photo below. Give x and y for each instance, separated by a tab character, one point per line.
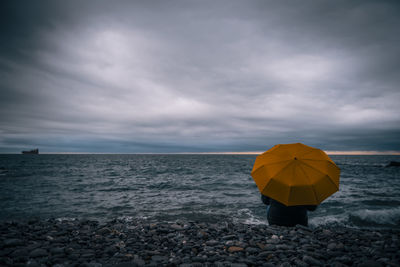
176	76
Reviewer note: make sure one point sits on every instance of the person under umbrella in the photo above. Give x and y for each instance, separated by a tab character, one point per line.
294	179
279	214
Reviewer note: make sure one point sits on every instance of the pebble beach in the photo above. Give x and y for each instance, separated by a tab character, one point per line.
57	242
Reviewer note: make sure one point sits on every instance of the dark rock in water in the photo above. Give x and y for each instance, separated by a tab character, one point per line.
393	164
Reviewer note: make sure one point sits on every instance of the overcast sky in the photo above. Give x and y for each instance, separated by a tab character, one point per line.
199	76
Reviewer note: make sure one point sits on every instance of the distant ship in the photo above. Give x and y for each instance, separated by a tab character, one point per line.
34	151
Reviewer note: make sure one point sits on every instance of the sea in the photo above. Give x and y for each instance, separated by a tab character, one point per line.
183	187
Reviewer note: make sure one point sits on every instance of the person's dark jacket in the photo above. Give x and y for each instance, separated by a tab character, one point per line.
279	214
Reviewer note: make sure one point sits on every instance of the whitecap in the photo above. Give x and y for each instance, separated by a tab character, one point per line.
250	218
389	216
339	219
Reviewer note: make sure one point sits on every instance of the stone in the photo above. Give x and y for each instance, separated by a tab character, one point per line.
223	244
345	259
235	249
69	250
125	264
338	264
331	246
111	250
283	247
138	261
300	263
39	252
238	265
212	243
88	255
269	247
340	246
104	231
32	263
264	254
302	227
13	242
310	260
57	251
176	227
159	258
251	250
326	232
370	263
273	241
202	234
228	237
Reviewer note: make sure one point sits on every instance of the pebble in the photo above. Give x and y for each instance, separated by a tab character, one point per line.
310	260
370	263
176	227
228	237
235	249
13	242
212	243
39	252
141	243
252	250
57	251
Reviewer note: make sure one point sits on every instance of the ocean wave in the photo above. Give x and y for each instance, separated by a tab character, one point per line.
381	202
381	217
339	219
69	219
246	216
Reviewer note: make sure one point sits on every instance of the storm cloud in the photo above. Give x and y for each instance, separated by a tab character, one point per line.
199	76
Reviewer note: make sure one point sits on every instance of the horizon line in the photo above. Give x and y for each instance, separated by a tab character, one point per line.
333	152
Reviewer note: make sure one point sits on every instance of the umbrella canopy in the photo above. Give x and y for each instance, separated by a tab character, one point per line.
296	174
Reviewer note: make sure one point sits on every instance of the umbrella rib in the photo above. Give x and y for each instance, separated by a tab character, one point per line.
321	173
262	165
308	152
309	181
323	160
281	170
269	164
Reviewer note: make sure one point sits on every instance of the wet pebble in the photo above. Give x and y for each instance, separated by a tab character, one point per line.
39	252
141	243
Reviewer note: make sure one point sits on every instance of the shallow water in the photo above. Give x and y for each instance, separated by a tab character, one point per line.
189	187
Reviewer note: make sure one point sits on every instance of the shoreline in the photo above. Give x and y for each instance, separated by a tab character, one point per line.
187	243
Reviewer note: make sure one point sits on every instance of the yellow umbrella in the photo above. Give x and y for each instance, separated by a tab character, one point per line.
296	174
